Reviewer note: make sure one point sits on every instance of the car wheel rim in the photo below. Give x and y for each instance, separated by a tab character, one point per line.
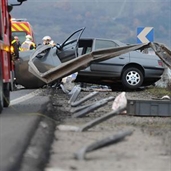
133	78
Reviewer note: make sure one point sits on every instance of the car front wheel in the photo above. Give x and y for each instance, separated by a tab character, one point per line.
132	78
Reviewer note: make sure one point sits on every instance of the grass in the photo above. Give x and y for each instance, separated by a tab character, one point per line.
159	92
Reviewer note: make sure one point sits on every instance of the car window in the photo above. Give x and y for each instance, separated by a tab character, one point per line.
102	44
69	47
73	37
70	44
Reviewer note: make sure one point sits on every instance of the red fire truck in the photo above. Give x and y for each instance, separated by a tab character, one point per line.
6	67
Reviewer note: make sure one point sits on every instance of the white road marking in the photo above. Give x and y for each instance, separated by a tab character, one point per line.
24	98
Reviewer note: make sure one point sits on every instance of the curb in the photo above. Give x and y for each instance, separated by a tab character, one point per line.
38	151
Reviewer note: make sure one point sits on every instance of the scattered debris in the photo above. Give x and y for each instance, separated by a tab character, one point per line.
76	109
94	106
166	97
75	92
67	128
80	155
64	89
118	106
120	101
76	103
103	118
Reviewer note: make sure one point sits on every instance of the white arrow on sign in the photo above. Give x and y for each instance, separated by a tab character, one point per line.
143	34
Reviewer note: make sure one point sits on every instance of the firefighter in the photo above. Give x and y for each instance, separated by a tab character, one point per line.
14	56
18	42
14	49
47	40
28	44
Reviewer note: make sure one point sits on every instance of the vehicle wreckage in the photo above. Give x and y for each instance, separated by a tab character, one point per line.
49	64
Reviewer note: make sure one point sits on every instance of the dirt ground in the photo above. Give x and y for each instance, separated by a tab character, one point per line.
148	148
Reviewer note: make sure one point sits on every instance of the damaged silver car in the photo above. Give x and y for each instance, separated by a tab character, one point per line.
49	64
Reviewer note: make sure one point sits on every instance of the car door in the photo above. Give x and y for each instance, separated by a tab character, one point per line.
69	49
111	66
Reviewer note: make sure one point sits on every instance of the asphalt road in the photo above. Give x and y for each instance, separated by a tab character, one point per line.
18	123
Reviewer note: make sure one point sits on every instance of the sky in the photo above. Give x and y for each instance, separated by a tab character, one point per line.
122	6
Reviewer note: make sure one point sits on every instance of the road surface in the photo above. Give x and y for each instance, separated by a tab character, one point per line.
18	123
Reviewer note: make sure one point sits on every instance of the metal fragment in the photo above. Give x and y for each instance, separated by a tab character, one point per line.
76	109
92	107
100	119
74	94
73	104
73	90
80	155
64	89
89	109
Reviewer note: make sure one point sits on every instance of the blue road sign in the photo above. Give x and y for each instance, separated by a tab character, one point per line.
145	34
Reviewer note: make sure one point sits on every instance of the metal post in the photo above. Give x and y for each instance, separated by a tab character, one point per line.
92	107
100	119
80	155
74	95
73	104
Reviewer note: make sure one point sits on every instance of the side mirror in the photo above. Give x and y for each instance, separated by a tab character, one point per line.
10	7
21	1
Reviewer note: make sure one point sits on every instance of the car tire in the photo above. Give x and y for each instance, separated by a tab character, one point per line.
132	78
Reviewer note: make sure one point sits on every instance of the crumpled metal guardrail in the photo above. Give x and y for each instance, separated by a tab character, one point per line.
162	52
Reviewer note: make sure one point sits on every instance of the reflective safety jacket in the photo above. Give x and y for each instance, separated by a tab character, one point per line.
28	45
14	49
